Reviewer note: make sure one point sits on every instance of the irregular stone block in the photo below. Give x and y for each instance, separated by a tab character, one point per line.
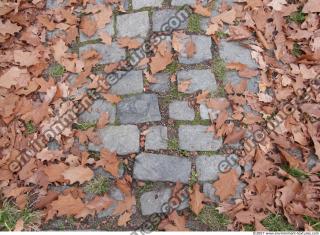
180	110
133	25
168	19
130	83
137	4
99	106
156	138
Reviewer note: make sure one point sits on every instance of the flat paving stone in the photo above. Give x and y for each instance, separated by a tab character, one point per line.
163	83
180	110
122	139
200	80
52	4
158	167
234	52
196	138
139	109
206	113
109	53
209	167
156	138
130	83
154	201
98	107
234	79
202	48
168	17
137	4
183	2
133	25
109	29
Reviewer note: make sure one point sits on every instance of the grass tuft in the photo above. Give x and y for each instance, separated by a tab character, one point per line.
219	68
194	24
296	50
99	185
193	178
221	34
56	70
173	67
83	125
30	128
297	173
313	222
210	216
10	214
276	222
173	144
298	17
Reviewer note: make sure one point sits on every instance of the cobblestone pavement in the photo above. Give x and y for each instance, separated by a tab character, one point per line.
162	130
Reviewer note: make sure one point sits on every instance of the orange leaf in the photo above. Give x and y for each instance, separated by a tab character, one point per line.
226	185
196	199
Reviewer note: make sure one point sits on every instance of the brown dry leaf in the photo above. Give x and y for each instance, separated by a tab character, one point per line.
103	120
88	26
109	162
79	174
9	28
150	78
54	172
114	99
162	58
231	180
196	199
19	225
218	103
174	223
106	38
202	97
131	43
236	66
311	6
49	155
124	218
103	17
265	98
99	203
25	58
235	136
248	73
67	205
199	9
190	49
184	85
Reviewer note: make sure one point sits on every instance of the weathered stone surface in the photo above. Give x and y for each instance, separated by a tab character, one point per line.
52	4
234	52
157	167
130	83
110	53
200	80
155	201
210	191
139	109
183	2
107	29
180	110
137	4
202	48
196	138
98	107
163	84
234	79
166	19
122	139
133	25
156	138
209	167
204	23
206	113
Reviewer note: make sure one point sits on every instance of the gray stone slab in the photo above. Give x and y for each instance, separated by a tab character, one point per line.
206	113
235	79
133	25
209	192
183	2
204	23
200	80
209	167
157	167
202	49
110	53
139	109
180	110
234	52
162	85
98	107
109	29
52	4
162	18
137	4
122	139
130	83
196	138
154	201
156	138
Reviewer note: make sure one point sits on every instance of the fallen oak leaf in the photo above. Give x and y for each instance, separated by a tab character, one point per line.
114	99
184	85
67	205
131	43
109	162
9	28
196	199
106	38
79	174
124	218
103	120
231	180
190	49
